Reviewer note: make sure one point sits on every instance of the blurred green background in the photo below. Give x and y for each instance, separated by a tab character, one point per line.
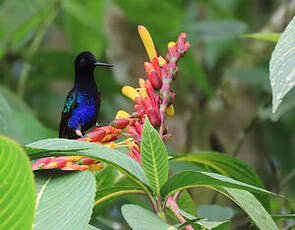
223	95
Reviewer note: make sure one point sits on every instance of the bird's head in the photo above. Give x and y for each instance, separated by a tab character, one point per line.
86	62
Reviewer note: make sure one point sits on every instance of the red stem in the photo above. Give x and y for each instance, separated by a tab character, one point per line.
171	203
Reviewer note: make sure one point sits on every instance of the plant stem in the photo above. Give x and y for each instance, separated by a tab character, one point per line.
244	133
155	208
287	179
171	203
32	50
165	93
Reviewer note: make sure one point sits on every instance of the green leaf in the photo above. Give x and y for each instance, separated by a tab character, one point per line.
281	66
214	225
272	37
215	212
65	200
252	207
186	203
244	199
154	157
113	157
189	179
210	225
105	178
17	120
248	203
283	217
286	105
17	202
216	30
203	223
91	227
115	192
141	219
226	165
223	164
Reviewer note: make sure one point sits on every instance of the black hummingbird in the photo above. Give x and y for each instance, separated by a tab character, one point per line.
83	101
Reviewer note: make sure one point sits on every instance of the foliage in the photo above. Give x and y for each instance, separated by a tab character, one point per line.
17	187
281	65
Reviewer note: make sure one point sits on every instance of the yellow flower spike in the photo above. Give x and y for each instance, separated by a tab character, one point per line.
130	143
170	110
171	44
122	114
143	93
141	82
148	42
111	145
69	163
162	61
95	167
75	158
114	145
130	92
148	67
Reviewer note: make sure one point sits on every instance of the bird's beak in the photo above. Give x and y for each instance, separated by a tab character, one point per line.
102	64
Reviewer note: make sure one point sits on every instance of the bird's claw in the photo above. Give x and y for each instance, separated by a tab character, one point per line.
79	133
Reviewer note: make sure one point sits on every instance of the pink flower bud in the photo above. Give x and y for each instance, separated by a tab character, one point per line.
187	45
172	49
138	100
87	139
50	165
75	167
96	134
138	127
181	37
155	79
172	67
139	110
156	65
121	123
149	89
59	163
113	138
111	134
131	155
86	161
136	153
41	163
180	46
148	67
153	117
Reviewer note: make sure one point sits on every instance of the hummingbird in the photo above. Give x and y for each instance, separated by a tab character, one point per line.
82	105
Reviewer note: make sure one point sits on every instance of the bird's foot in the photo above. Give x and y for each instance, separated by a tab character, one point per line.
79	133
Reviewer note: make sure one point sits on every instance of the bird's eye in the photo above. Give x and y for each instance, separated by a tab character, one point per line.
82	62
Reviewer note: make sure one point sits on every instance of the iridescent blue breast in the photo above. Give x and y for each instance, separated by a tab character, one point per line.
85	110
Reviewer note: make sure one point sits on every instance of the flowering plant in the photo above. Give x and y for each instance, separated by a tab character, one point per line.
152	98
141	135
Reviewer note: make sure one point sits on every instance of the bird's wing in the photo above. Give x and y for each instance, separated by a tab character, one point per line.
66	112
